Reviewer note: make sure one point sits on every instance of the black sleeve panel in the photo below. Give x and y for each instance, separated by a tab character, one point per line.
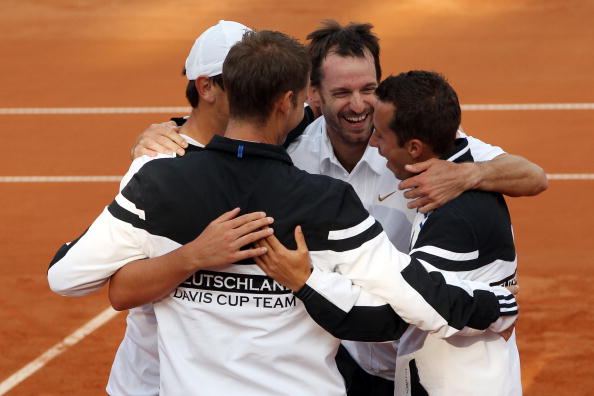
361	323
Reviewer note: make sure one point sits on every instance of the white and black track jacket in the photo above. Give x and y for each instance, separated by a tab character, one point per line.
470	237
234	330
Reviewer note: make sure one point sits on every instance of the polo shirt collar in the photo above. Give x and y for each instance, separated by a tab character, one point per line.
376	162
246	149
371	156
191	140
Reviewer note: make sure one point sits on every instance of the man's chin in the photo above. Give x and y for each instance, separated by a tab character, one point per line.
357	135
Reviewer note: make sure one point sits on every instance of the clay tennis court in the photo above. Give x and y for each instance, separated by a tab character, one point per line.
68	54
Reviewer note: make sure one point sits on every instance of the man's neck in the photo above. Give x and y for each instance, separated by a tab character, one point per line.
348	153
254	132
201	127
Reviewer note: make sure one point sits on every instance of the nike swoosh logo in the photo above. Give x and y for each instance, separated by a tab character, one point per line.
380	198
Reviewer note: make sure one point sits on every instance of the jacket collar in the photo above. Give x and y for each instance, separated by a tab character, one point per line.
246	149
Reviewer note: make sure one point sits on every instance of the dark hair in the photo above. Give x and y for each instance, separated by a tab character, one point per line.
350	40
260	68
427	108
192	93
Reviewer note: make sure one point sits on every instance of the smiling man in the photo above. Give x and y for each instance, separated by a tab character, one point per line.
416	118
345	72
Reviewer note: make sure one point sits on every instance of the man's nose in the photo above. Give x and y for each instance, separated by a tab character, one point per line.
357	103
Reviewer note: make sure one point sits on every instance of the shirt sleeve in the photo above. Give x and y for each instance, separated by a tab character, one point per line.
480	150
115	238
347	311
431	300
461	243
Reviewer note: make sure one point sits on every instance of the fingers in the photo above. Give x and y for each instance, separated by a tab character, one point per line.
254	237
247	218
266	243
259	261
227	216
250	253
171	131
410	183
270	256
263	265
165	145
163	138
156	144
140	151
418	203
428	208
413	193
419	166
274	244
300	239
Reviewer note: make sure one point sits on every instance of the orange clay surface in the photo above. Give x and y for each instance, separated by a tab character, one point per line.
107	53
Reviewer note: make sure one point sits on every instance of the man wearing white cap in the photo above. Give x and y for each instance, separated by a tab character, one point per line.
135	370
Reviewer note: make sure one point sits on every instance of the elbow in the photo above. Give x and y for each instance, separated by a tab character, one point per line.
541	181
118	302
64	289
119	299
544	184
70	285
119	306
57	284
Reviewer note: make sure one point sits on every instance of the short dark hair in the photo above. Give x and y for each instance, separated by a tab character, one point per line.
192	93
427	108
350	40
260	68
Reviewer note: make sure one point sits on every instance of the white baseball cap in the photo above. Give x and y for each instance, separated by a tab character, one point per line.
210	49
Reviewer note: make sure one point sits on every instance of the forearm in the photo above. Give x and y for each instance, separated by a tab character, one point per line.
143	281
508	174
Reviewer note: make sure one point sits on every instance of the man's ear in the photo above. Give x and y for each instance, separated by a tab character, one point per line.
416	149
205	88
285	102
313	97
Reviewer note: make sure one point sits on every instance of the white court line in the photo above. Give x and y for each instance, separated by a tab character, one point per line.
571	176
186	110
56	350
94	110
528	106
114	179
58	179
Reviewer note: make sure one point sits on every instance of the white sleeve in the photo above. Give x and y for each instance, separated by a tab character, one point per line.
84	265
480	150
432	301
90	261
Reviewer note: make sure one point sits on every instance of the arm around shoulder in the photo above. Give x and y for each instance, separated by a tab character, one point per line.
511	175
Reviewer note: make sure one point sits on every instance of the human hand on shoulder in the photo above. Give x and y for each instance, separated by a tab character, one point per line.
161	138
437	182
